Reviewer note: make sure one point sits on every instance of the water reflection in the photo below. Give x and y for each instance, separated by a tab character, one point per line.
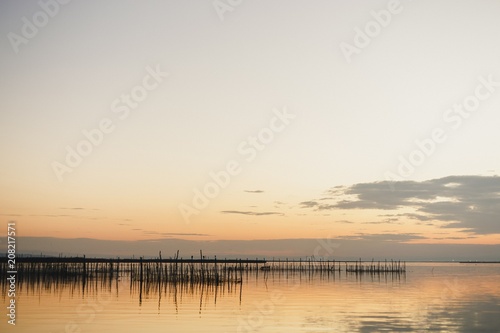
429	297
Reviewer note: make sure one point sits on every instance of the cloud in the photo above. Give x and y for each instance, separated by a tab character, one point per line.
250	213
254	191
169	234
345	222
308	204
455	238
148	232
182	234
468	202
412	216
50	215
385	237
385	221
350	249
76	215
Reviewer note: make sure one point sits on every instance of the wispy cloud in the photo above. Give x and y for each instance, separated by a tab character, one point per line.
412	216
49	215
385	221
344	222
171	234
468	202
183	234
385	237
308	204
250	213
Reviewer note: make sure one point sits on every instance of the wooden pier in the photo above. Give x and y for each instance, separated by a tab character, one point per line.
200	270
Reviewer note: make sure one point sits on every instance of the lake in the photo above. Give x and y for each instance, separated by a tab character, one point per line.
439	297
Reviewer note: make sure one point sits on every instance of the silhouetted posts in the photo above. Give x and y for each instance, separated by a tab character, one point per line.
141	270
201	264
84	267
84	278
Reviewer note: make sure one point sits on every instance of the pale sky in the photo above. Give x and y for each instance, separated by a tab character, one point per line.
332	112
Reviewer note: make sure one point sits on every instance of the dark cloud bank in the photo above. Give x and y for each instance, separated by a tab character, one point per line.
470	202
379	247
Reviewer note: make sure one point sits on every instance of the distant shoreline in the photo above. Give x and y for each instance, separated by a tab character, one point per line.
79	259
479	262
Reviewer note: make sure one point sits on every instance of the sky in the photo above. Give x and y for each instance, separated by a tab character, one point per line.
374	122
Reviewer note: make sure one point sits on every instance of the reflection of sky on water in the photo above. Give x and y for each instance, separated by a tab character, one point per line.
431	297
475	316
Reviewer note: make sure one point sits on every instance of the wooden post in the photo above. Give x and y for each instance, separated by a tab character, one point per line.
141	273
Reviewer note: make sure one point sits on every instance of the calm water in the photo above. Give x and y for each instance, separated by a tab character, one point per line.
429	297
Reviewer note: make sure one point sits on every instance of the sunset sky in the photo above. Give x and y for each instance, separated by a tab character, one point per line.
368	121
